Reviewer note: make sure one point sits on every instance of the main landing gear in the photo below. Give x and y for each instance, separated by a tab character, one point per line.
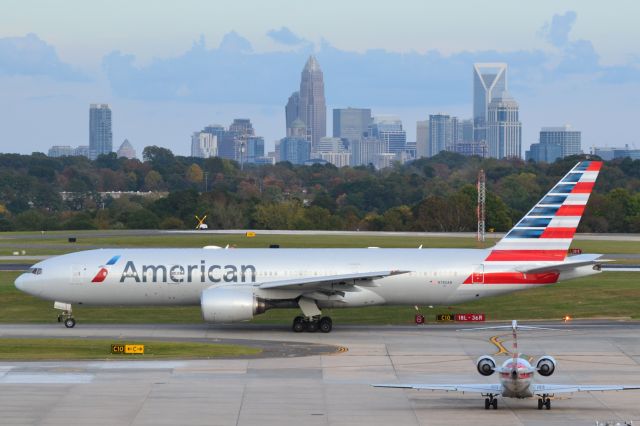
544	401
491	401
312	320
67	315
300	324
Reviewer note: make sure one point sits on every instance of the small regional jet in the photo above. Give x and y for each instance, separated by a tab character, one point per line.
516	375
236	285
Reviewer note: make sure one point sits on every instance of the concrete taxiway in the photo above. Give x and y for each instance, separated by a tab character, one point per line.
323	388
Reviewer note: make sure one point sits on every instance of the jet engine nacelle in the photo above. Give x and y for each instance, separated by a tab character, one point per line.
546	366
229	304
486	365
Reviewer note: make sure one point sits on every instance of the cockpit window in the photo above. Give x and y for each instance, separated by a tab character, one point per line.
35	271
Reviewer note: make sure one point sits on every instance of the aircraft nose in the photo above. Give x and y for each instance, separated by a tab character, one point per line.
20	282
23	282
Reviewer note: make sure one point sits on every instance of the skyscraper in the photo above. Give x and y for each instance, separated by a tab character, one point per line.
204	145
100	136
294	150
489	80
291	110
351	123
440	134
504	130
422	138
312	108
389	129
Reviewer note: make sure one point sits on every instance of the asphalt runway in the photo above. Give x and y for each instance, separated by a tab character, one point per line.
325	388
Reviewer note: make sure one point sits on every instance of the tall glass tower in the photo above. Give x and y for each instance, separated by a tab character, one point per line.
312	104
504	130
100	136
489	80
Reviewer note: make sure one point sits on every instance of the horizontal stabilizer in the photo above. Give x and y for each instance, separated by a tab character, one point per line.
471	387
569	263
551	389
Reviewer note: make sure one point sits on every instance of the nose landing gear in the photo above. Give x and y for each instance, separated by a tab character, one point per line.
67	315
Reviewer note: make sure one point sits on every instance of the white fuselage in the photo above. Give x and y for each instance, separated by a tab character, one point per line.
178	276
516	380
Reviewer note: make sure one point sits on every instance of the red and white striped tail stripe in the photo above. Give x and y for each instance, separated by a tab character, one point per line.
546	232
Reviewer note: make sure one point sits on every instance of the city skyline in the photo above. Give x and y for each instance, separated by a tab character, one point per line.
559	62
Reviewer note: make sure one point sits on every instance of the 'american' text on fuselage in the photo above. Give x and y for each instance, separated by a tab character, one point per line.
185	273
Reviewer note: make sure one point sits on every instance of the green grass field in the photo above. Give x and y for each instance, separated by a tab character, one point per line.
56	242
64	349
611	294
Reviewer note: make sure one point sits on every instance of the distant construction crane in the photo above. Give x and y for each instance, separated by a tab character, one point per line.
482	198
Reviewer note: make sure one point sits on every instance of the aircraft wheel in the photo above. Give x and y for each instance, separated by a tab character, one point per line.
487	403
298	324
69	323
312	326
548	404
540	404
495	403
325	324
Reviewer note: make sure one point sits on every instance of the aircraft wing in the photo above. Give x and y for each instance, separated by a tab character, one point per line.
571	262
540	388
471	388
327	281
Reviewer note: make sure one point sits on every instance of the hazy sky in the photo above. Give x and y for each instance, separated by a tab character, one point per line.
170	69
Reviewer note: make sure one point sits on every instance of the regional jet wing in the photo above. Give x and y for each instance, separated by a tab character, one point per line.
327	281
550	389
471	388
571	262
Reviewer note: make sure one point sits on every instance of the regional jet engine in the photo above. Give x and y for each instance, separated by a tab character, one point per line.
546	366
486	365
229	304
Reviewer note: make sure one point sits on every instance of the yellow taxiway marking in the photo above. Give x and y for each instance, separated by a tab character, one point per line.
501	349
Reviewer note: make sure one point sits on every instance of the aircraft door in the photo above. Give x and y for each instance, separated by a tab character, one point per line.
78	274
477	276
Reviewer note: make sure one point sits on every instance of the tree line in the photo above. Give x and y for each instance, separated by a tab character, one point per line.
430	194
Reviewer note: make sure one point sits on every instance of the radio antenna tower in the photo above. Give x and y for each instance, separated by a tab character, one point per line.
482	197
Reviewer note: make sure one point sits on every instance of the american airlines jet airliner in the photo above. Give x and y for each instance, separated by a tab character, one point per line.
236	285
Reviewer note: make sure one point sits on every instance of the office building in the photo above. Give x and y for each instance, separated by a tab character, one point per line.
504	130
466	130
547	153
100	135
441	132
291	110
364	151
333	151
312	109
422	138
489	80
609	154
389	129
204	145
569	140
294	150
126	150
60	151
253	150
351	123
81	151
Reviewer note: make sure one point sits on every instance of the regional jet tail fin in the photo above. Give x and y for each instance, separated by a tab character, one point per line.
546	232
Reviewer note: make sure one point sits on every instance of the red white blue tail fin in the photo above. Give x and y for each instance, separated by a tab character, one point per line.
545	233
